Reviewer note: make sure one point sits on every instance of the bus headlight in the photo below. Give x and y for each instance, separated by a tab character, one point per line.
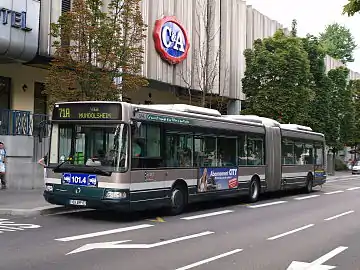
115	195
49	188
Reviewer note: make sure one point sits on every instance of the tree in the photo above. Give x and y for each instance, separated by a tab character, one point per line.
338	42
98	55
277	80
352	7
293	31
354	87
206	55
320	84
340	111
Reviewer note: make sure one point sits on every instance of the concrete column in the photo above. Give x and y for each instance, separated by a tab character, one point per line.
234	106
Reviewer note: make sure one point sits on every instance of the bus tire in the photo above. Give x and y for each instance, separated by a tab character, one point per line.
309	183
178	200
254	190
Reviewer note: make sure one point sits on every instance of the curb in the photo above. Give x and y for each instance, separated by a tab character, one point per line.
39	211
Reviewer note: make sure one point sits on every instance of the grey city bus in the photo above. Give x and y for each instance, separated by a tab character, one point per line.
123	156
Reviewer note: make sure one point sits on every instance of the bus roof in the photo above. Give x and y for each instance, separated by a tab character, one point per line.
210	114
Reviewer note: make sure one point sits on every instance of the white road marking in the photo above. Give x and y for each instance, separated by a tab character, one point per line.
328	256
290	232
317	264
208	215
209	260
342	179
334	192
306	197
90	235
9	226
265	204
119	245
340	215
353	188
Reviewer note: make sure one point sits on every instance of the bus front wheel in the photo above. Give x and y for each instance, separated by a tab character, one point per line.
177	200
254	190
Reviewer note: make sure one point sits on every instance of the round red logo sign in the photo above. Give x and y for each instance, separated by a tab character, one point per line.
171	40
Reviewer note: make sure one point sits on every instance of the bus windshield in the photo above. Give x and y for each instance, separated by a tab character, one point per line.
103	146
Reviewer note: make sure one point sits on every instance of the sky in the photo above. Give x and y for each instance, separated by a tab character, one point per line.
312	16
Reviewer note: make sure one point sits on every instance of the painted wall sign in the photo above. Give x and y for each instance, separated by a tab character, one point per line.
14	18
171	40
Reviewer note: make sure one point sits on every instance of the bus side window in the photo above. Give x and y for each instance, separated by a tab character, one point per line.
309	154
146	146
319	154
287	149
255	150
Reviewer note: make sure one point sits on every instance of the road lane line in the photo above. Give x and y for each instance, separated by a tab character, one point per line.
90	235
306	197
265	204
290	232
340	215
334	192
353	188
343	179
208	215
209	259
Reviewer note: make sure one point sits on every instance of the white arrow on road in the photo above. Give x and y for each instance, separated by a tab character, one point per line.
120	245
317	264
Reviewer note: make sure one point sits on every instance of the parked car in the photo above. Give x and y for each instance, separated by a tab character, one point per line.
356	168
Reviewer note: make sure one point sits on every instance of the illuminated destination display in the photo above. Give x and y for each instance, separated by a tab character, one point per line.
87	111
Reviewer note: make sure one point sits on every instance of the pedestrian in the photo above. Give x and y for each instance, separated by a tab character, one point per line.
3	162
43	162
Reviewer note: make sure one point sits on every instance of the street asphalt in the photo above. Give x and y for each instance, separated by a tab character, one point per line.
282	231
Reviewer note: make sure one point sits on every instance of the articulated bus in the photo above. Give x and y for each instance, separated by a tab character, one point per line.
116	155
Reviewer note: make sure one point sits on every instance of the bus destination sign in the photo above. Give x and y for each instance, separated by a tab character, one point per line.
87	111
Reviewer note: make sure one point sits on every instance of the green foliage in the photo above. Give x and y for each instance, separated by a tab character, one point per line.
94	48
340	165
286	80
338	42
352	7
354	87
293	31
277	79
340	123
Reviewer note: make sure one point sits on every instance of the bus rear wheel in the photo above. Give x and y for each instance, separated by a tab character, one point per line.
254	190
178	200
309	184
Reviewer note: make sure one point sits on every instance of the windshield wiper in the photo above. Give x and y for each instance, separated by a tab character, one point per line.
100	171
59	165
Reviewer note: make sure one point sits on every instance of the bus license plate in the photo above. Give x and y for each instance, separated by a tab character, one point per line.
77	202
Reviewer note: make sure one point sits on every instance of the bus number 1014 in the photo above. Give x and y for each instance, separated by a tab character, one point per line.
78	180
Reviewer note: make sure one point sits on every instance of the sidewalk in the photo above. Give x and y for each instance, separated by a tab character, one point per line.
25	203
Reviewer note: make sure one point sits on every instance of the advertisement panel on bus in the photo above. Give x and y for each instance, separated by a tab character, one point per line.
217	178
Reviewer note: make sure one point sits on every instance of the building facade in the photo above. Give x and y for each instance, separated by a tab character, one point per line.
176	38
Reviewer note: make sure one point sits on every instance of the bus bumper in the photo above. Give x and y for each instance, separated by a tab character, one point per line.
87	202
